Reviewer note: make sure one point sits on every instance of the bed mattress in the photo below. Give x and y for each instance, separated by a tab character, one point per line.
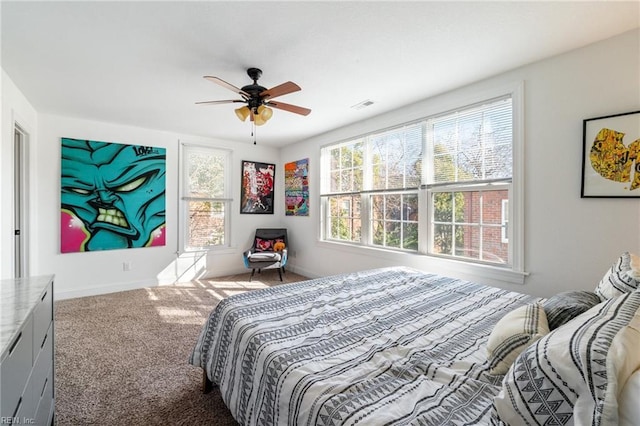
392	346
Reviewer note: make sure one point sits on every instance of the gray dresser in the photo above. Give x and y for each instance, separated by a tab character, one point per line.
27	358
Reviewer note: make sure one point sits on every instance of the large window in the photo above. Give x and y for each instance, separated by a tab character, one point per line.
382	172
205	197
471	153
439	186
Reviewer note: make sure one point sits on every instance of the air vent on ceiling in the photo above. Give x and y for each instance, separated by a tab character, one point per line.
362	104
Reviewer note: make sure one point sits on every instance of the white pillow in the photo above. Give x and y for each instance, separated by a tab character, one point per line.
634	263
513	334
628	405
576	374
619	279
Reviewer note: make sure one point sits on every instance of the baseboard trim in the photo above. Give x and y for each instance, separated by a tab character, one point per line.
96	291
302	271
135	285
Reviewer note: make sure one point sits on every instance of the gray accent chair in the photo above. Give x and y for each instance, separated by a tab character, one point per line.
261	255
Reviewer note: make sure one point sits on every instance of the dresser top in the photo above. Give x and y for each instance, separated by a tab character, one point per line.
18	297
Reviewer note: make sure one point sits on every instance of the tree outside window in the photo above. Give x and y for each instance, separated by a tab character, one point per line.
462	164
205	197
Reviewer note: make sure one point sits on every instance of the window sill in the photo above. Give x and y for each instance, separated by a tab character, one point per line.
216	250
482	273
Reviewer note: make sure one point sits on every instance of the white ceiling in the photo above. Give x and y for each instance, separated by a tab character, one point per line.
142	63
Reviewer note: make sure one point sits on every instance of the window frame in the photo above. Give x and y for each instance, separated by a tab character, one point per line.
512	273
505	221
184	199
472	186
402	221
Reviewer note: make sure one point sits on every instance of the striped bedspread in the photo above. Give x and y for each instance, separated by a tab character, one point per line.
391	346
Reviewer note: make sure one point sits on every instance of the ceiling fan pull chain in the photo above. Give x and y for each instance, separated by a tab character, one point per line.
253	131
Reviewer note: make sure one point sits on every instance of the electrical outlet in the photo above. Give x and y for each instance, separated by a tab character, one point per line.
126	266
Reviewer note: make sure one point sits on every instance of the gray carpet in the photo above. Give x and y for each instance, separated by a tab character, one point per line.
122	358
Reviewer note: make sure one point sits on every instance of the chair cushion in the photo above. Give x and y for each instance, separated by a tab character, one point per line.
264	256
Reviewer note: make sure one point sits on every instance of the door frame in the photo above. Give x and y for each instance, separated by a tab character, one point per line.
20	188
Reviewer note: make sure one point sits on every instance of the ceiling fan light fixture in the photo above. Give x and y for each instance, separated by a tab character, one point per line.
257	98
257	118
243	113
265	112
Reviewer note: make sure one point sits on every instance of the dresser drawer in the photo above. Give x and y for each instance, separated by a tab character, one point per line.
42	317
44	360
15	369
45	401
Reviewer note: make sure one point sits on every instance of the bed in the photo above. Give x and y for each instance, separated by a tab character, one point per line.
391	346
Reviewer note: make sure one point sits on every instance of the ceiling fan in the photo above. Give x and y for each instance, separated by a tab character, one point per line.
258	99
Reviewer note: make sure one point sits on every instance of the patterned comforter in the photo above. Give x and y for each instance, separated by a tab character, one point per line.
391	346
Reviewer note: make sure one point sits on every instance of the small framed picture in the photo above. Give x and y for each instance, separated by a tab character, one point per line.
610	156
256	191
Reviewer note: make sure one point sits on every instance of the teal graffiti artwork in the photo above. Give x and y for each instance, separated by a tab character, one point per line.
112	196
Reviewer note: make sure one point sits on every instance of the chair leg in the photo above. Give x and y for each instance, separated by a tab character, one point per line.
253	271
280	273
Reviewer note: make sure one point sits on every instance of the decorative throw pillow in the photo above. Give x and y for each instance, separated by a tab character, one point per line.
574	375
513	334
634	263
619	279
629	407
563	307
263	245
267	245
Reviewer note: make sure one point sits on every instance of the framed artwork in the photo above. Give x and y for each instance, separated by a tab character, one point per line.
112	196
611	150
296	188
256	193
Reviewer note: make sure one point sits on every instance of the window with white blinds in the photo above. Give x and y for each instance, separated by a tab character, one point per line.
206	197
473	144
439	186
471	152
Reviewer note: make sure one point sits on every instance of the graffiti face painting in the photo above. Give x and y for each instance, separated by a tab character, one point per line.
112	194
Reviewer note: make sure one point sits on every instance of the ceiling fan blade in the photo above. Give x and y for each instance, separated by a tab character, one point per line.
229	101
288	107
282	89
229	86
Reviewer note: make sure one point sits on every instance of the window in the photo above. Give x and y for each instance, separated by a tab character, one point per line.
382	172
469	178
205	197
345	172
440	186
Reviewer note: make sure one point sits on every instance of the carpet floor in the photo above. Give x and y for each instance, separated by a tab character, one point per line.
122	358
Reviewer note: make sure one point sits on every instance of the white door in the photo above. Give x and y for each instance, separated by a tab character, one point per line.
19	203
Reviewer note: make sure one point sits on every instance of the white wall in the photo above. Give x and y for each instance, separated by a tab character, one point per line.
569	241
86	273
15	108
